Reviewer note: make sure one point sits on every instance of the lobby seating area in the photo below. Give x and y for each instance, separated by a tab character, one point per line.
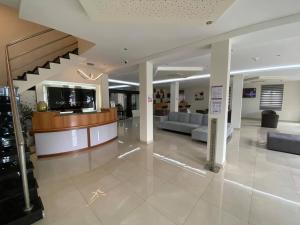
139	112
195	124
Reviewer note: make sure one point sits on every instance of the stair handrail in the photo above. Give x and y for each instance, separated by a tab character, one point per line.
38	47
16	117
19	136
29	37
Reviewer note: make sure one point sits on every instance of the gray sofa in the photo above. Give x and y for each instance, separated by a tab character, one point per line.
281	142
195	124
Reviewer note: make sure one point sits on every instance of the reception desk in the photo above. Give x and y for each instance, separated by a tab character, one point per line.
57	134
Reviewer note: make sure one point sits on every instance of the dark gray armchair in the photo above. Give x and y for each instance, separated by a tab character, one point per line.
269	118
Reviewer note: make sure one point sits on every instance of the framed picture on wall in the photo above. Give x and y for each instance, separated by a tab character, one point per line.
249	93
199	96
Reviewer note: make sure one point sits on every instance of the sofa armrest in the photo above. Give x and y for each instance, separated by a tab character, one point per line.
163	118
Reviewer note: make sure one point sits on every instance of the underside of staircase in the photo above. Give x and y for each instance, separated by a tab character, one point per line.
11	190
30	79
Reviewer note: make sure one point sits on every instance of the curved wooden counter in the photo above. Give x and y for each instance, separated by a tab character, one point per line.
57	134
54	121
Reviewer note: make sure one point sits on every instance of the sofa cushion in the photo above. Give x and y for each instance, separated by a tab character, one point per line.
205	120
184	117
200	134
173	116
178	126
196	118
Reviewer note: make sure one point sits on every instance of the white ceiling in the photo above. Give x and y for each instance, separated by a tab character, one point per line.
144	39
157	11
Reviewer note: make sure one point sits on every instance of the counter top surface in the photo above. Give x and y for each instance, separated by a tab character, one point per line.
53	121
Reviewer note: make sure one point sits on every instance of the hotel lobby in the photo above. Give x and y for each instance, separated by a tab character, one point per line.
121	112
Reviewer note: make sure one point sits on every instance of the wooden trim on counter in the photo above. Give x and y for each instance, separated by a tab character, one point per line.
43	122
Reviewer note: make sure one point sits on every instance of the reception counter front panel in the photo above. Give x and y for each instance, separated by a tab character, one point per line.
57	134
102	134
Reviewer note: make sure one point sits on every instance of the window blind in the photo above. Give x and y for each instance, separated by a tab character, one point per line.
271	97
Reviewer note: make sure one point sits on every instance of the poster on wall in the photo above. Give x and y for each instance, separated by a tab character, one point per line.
216	106
216	92
216	99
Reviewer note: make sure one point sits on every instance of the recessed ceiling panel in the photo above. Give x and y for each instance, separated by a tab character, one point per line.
200	11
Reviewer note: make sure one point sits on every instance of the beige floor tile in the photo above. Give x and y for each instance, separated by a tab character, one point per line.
207	214
271	210
146	215
172	201
79	216
233	197
113	206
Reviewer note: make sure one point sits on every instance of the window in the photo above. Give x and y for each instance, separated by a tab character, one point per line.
271	97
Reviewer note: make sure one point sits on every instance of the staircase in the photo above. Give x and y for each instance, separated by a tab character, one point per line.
19	200
31	78
11	192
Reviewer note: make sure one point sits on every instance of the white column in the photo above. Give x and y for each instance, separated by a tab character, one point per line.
220	77
104	91
174	98
237	100
146	102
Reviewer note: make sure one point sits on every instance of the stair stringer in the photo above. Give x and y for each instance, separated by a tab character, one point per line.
44	74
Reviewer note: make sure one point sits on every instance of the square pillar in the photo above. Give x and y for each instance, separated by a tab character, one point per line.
218	107
104	91
146	102
174	96
237	101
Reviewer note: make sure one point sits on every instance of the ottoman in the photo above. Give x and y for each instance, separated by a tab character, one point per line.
281	142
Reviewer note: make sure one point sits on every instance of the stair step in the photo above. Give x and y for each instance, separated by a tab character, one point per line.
12	213
35	70
11	156
75	51
66	56
46	65
56	60
8	171
22	77
12	188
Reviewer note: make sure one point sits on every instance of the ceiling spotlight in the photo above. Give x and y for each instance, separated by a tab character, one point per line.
209	22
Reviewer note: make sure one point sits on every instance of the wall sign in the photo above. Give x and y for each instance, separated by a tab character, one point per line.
217	92
150	99
216	99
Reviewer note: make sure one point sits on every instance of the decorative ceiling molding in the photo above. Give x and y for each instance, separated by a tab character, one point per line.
89	76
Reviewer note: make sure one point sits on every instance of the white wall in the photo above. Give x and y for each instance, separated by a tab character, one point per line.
190	97
291	102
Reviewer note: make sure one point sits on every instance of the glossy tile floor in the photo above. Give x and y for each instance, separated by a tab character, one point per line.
129	183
